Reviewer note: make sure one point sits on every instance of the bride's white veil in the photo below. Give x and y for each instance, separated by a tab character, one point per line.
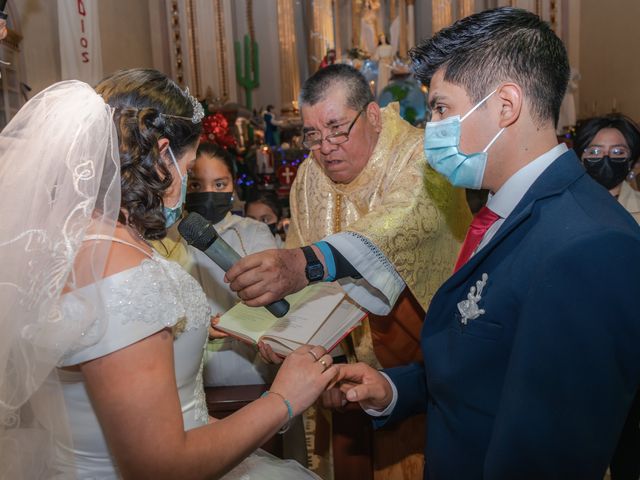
59	180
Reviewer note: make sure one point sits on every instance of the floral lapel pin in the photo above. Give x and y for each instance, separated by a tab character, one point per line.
468	308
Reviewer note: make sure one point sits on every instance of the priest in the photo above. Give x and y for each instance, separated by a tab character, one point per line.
366	210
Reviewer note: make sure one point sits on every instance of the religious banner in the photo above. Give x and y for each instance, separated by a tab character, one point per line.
286	175
80	48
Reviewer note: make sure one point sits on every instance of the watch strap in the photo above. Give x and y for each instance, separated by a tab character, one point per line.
313	264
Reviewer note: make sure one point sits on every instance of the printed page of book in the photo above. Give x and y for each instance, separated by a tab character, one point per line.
346	316
343	319
309	309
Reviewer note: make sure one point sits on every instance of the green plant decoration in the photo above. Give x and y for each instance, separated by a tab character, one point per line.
250	79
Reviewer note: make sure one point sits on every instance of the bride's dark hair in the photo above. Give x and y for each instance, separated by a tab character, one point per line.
147	105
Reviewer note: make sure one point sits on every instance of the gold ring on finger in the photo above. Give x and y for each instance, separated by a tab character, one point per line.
323	363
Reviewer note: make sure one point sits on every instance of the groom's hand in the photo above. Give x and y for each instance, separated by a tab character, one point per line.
360	383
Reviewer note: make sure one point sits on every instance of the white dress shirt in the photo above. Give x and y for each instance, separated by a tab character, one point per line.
502	203
505	200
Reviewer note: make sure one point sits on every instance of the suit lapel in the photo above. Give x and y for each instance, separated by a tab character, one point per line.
565	170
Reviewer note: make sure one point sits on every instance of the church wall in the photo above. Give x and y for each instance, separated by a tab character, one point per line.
609	65
37	22
601	42
124	34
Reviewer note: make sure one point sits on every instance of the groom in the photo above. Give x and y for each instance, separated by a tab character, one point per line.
532	347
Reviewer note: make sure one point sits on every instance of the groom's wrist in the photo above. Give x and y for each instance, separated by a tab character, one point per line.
391	397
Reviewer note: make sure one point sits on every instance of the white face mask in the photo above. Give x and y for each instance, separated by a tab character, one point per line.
172	215
442	149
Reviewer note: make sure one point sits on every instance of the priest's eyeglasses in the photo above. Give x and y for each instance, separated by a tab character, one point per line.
313	140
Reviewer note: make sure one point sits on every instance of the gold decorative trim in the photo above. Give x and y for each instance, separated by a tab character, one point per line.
192	28
442	14
289	74
468	7
176	37
553	15
222	50
337	214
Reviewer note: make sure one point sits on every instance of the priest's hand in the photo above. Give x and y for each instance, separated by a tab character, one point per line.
358	382
264	277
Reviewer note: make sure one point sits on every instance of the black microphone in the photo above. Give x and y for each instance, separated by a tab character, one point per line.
200	233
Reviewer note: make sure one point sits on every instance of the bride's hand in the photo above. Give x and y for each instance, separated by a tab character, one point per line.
267	354
213	332
303	376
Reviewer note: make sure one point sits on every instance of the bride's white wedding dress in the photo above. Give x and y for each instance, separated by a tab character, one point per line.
139	302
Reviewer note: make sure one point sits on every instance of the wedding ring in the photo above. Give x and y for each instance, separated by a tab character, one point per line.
313	355
323	363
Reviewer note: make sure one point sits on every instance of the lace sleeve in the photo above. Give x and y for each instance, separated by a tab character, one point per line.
136	304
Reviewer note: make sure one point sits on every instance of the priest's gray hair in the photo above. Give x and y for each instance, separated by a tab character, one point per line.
323	82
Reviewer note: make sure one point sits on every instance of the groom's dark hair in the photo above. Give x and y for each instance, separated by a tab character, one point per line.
504	44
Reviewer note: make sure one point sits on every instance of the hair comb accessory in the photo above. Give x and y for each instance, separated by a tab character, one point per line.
198	111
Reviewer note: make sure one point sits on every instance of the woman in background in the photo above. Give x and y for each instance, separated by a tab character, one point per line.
609	148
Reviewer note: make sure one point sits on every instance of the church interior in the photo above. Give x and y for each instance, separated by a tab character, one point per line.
245	62
239	57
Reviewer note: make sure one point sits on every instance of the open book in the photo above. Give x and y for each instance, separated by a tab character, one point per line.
320	314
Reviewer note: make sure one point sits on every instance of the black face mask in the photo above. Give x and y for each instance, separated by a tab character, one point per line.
607	172
211	205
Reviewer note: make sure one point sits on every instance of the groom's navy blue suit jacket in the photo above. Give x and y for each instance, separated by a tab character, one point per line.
539	385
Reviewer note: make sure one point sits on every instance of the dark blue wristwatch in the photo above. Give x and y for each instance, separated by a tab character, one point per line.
314	269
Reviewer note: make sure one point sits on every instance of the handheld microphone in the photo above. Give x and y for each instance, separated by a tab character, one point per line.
200	233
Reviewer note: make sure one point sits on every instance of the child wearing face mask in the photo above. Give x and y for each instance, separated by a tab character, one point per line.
264	207
229	361
210	193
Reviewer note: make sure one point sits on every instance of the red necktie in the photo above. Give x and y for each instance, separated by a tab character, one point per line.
479	226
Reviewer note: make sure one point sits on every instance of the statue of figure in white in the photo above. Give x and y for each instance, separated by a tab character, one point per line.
384	54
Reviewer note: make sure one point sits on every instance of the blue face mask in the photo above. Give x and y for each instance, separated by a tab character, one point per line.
442	149
172	215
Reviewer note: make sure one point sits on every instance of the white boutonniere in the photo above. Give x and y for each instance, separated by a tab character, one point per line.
468	308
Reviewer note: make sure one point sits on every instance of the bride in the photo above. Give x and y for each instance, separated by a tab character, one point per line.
102	339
